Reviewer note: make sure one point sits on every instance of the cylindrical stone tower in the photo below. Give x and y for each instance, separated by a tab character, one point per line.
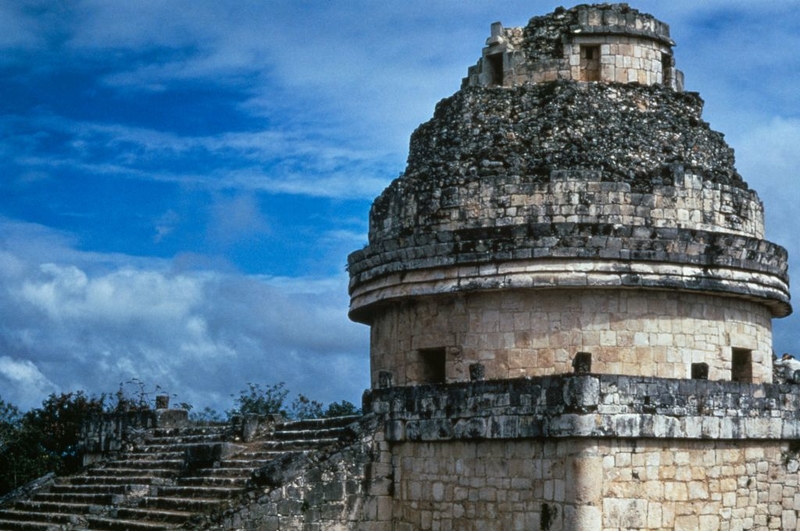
569	199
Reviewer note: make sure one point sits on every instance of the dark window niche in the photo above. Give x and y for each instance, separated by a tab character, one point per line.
434	362
495	63
741	365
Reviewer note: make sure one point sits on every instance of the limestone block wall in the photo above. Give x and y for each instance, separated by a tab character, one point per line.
474	486
535	333
686	202
715	485
593	453
620	59
595	485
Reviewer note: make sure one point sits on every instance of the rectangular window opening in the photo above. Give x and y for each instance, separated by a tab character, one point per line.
434	362
495	63
741	365
590	63
666	65
699	371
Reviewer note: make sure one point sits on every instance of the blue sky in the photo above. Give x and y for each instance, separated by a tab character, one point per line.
181	181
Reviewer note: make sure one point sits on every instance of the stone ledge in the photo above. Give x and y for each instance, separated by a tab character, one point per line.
565	240
570	273
589	406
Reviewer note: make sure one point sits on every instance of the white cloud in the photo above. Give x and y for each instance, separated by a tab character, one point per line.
70	326
24	377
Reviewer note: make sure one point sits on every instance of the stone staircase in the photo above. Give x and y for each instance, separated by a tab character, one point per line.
172	478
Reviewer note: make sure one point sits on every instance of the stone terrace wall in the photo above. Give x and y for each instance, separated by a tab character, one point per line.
593	453
591	485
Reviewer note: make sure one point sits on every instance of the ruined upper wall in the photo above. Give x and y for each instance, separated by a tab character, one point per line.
605	42
489	150
625	173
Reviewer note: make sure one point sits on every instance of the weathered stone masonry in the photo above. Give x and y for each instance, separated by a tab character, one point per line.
569	211
593	452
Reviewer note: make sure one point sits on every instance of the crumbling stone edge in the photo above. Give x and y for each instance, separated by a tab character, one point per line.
592	405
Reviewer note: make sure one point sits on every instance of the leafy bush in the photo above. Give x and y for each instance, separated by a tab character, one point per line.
256	400
44	439
270	400
341	409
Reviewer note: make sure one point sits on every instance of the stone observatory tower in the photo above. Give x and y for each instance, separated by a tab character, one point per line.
570	299
570	199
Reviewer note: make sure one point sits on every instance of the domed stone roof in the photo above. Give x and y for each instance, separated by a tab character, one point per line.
566	169
570	199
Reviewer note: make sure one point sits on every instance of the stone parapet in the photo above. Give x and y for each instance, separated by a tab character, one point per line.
596	406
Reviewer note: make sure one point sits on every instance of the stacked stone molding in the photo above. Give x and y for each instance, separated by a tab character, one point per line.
593	405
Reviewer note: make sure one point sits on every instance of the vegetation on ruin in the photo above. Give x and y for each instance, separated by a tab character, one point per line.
46	439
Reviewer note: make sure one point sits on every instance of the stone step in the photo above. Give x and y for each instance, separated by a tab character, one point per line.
141	463
139	455
131	472
315	424
179	504
305	435
299	444
12	525
154	515
160	433
82	498
197	492
174	443
225	471
215	481
66	488
244	463
54	507
184	437
118	480
115	524
16	515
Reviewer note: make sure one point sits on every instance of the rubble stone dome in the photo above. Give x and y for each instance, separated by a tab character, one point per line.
625	181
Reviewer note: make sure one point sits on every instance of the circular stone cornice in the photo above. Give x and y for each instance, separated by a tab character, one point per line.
555	255
569	273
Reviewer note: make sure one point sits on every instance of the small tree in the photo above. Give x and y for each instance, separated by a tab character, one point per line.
341	409
44	439
256	400
305	408
58	423
10	418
